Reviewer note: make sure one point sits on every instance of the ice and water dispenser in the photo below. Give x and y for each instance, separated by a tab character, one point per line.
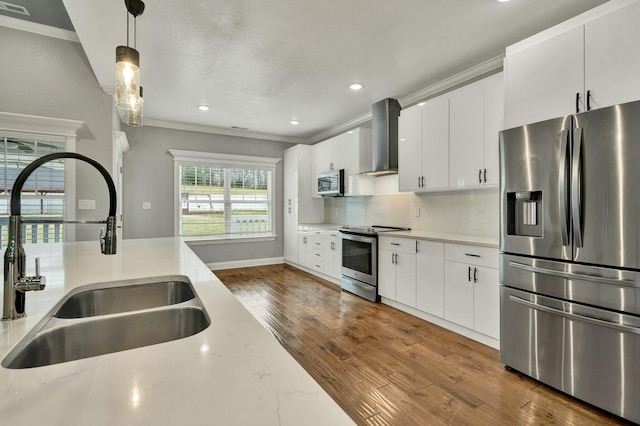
524	211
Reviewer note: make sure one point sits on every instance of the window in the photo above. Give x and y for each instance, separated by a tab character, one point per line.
224	196
43	195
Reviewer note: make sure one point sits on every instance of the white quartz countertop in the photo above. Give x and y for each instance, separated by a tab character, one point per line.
471	240
232	373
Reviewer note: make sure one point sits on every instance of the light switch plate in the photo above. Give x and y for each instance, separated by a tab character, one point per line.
86	204
146	205
364	211
416	212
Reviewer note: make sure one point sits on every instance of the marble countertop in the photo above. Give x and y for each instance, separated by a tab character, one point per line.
232	373
472	240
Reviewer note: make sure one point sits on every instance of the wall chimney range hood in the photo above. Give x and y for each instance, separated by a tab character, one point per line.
385	137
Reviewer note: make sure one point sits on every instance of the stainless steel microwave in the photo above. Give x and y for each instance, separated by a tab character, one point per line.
331	183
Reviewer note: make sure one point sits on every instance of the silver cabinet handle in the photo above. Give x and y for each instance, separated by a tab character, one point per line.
423	181
485	175
469	276
419	186
472	255
532	305
479	175
416	246
475	275
395	244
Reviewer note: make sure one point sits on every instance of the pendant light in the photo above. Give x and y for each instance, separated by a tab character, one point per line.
133	114
128	62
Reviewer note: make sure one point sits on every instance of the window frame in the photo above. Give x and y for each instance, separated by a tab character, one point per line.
55	130
209	159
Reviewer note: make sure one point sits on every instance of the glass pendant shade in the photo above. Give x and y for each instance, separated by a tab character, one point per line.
127	76
134	112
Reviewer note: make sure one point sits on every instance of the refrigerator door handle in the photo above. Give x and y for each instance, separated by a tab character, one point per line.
573	275
569	315
562	187
576	187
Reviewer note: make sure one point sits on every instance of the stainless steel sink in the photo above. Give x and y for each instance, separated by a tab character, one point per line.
111	319
112	300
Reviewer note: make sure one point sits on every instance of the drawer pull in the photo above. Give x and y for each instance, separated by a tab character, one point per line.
395	244
472	255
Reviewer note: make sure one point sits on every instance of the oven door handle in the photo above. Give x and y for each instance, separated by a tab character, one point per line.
569	315
360	238
572	275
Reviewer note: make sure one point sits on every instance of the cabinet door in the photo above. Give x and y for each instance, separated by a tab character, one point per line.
320	154
303	252
337	257
406	278
541	81
493	123
612	57
430	277
386	274
410	148
466	108
486	302
290	176
290	234
435	143
458	294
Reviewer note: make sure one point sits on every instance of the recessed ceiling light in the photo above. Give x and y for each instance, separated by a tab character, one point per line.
350	132
204	107
356	86
422	104
295	122
503	1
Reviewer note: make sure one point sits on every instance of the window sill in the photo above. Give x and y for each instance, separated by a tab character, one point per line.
200	241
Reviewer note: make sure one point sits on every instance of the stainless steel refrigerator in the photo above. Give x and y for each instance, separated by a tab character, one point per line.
570	255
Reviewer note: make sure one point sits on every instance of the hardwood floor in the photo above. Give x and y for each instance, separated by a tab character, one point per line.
385	367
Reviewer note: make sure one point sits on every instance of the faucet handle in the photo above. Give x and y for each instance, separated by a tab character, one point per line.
35	283
37	266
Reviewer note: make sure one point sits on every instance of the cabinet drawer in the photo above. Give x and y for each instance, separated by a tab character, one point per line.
318	242
318	255
481	256
402	245
317	265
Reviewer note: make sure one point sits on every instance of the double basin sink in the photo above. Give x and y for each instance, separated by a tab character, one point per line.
109	318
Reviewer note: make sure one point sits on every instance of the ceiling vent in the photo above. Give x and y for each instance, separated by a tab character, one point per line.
10	7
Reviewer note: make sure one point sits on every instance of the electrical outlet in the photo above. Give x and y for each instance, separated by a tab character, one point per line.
416	212
337	212
86	204
146	205
364	211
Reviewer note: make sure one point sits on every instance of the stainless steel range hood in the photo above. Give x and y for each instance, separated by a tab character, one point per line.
385	138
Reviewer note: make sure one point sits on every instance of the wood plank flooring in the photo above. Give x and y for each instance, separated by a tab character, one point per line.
385	367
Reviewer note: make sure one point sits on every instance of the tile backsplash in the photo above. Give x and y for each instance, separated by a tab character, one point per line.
454	212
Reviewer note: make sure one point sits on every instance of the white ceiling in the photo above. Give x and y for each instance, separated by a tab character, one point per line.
260	64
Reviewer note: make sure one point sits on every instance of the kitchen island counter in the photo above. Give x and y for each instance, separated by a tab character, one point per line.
232	373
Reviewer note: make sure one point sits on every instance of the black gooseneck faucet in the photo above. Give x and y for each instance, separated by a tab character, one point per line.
15	281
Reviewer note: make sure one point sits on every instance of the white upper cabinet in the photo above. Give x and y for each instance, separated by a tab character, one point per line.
423	146
350	151
466	106
545	80
452	140
612	57
589	62
410	148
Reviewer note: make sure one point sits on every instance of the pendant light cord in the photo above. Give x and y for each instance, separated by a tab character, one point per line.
127	28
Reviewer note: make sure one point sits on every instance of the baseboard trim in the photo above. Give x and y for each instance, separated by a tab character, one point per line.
245	263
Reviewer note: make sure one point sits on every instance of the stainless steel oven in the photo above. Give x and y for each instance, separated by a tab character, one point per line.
360	260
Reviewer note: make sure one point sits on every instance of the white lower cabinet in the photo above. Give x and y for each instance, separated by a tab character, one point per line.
471	282
397	270
332	253
456	282
430	277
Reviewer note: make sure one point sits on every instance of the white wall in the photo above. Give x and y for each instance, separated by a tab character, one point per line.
149	174
49	77
455	212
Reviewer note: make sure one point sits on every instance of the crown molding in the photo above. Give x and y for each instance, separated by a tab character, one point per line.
483	69
221	131
32	27
44	125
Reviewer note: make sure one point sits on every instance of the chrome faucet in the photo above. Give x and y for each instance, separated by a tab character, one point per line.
16	283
